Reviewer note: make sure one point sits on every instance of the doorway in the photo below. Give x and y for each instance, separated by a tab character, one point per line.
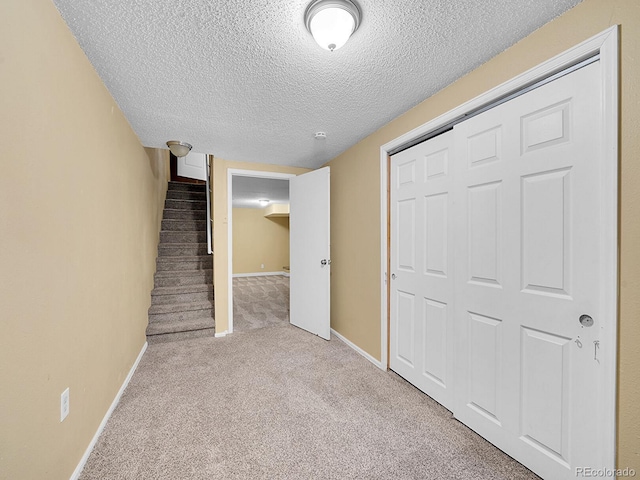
258	250
310	262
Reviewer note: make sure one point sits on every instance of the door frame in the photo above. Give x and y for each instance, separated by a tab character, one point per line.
604	44
231	172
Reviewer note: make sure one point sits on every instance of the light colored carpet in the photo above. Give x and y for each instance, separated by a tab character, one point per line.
260	302
280	403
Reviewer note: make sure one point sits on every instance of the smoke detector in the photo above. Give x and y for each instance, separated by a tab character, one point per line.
320	135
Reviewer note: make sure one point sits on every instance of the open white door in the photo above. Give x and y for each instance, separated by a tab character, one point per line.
309	252
193	165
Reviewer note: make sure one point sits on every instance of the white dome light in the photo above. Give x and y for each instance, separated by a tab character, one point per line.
179	149
331	22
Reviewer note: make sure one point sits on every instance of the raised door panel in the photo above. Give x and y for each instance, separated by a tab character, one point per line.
546	232
485	233
434	347
484	387
405	307
546	127
484	147
436	234
406	235
545	411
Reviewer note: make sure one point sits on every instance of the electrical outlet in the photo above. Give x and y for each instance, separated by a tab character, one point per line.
64	404
262	265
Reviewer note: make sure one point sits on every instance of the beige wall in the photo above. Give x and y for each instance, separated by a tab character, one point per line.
355	194
220	231
80	207
258	240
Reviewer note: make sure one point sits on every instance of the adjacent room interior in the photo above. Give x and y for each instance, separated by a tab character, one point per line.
260	246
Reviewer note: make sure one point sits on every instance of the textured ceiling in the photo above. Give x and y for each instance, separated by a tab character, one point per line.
244	80
246	191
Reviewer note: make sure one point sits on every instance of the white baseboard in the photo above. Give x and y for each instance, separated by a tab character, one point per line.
221	334
259	274
76	473
377	363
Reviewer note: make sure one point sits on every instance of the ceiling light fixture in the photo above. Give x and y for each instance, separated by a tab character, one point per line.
331	22
179	149
263	202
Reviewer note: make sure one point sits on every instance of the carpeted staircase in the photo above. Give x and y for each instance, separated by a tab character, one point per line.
182	299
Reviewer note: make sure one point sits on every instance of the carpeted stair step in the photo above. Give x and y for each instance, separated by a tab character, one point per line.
183	237
185	204
186	195
181	289
182	278
179	308
187	187
180	321
184	225
177	336
199	262
172	213
182	294
172	323
179	249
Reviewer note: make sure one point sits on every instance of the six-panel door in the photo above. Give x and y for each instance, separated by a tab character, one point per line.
494	267
422	263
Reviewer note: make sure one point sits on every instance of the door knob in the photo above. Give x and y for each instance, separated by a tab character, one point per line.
393	276
324	262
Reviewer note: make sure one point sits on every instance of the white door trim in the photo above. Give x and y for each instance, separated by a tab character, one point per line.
231	172
606	45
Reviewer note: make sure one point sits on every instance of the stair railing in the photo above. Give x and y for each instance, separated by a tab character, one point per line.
209	219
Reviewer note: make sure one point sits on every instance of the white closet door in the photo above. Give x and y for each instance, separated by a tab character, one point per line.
422	267
496	258
527	239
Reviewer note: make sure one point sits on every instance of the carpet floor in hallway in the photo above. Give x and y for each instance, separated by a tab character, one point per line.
280	403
